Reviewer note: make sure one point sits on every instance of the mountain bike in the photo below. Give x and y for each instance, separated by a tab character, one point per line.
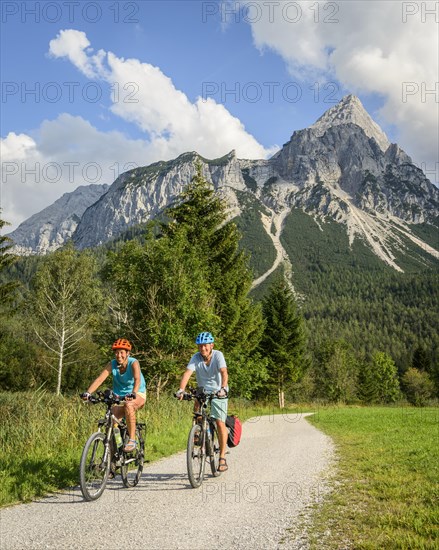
203	442
101	456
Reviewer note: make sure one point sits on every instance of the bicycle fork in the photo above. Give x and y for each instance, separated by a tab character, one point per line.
107	443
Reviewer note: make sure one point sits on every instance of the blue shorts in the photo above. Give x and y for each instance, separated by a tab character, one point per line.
218	408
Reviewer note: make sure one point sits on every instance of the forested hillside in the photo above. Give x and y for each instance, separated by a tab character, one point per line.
359	321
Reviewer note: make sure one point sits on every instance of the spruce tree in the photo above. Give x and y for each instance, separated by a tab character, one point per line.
420	360
368	385
386	374
215	240
6	259
283	341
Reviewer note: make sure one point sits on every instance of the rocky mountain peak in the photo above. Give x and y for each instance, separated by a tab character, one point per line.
52	227
350	110
334	169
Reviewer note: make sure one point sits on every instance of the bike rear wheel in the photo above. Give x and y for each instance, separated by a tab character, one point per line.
214	451
132	463
94	467
196	457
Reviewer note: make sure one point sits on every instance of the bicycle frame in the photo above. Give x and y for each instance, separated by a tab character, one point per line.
108	428
207	420
101	454
201	440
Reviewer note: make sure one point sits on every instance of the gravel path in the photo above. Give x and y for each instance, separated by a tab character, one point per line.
274	475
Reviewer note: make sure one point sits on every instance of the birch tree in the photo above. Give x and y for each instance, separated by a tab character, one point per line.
66	303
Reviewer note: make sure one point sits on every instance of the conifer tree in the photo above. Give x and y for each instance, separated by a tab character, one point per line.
423	362
420	360
368	385
283	341
6	259
160	299
215	240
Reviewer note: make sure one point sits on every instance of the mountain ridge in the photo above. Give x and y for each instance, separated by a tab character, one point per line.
53	226
342	167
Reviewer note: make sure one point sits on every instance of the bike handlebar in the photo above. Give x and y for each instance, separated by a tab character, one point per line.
199	394
108	396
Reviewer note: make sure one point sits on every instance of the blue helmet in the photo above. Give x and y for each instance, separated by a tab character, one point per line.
204	338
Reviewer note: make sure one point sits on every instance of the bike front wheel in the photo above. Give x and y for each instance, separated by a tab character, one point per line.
196	457
94	467
214	451
132	463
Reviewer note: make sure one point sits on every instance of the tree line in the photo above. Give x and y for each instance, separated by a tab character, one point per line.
185	275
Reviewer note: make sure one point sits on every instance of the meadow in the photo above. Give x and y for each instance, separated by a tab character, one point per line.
42	436
384	481
386	487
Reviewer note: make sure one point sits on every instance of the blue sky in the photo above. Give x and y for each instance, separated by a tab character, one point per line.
205	76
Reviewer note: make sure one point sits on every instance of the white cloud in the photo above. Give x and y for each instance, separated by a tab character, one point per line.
68	151
382	47
75	46
147	97
64	153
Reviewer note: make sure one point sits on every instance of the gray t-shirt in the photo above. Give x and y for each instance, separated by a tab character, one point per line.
208	376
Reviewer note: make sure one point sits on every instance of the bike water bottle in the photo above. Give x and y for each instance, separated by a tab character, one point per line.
118	437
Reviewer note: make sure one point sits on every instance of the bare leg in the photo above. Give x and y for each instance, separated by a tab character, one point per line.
222	436
130	414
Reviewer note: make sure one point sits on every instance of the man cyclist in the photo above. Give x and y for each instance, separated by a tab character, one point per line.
128	382
211	372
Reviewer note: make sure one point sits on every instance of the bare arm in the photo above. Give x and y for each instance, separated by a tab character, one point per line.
184	380
136	373
100	379
224	377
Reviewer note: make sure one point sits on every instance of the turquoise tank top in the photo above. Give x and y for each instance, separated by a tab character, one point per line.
123	384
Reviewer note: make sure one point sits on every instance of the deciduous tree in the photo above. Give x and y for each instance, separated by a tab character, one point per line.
66	302
418	386
336	372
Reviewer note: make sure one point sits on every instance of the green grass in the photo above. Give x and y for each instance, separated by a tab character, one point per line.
42	436
386	488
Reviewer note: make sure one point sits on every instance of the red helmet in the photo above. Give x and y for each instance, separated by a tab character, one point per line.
121	343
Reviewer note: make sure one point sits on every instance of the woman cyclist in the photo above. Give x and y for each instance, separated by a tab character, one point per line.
128	382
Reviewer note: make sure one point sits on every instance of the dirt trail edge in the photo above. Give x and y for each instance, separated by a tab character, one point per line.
277	471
